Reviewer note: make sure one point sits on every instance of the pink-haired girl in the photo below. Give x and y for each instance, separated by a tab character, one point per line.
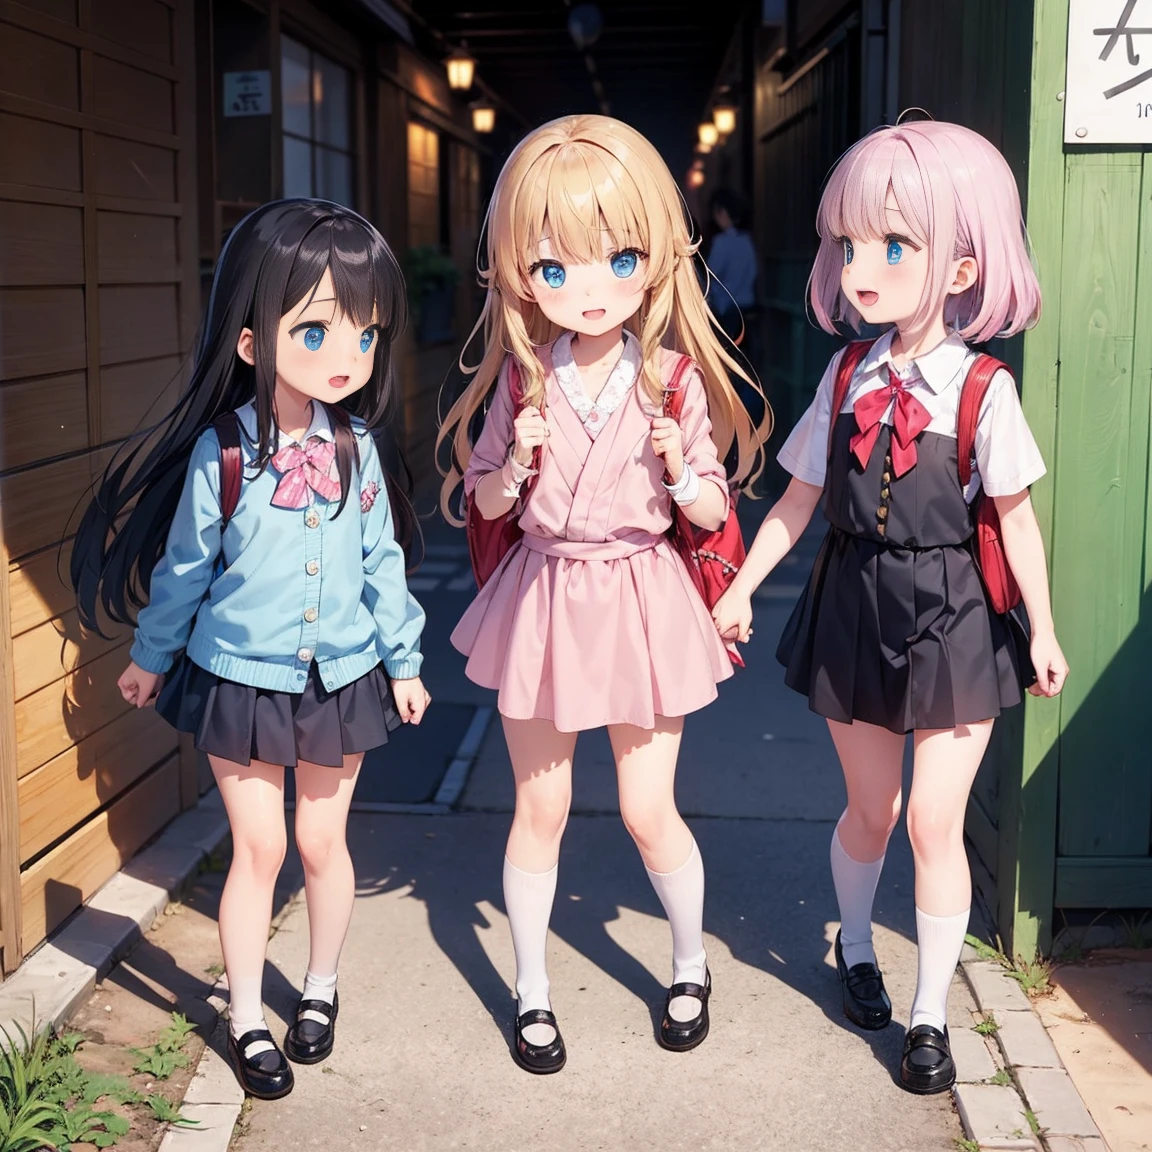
920	233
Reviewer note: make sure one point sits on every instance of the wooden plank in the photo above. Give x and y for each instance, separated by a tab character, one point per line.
45	654
42	418
1103	882
39	155
144	26
39	590
57	884
136	249
136	395
138	323
1100	505
1028	787
129	168
67	790
130	96
41	69
11	951
36	110
91	260
50	721
186	97
43	331
40	244
58	9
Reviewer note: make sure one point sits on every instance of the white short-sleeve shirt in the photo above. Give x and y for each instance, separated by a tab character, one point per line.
1008	459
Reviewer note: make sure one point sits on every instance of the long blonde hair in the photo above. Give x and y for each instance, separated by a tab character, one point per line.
569	179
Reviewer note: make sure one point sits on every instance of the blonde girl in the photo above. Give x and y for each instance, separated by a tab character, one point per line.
920	235
592	619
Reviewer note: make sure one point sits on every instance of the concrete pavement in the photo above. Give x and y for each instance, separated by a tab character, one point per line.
422	1058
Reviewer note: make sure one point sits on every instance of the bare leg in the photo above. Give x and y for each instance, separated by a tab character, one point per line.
254	799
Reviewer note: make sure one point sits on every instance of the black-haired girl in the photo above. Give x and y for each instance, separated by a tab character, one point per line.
278	628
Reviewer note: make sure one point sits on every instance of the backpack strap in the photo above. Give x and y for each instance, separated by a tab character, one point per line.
852	358
227	429
674	391
972	393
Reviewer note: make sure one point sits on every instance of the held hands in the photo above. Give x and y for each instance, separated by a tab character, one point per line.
531	432
139	687
732	616
1051	667
411	698
668	442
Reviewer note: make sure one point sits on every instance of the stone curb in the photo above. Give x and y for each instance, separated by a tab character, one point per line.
60	975
993	1114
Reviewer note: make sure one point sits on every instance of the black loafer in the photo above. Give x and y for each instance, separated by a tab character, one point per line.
683	1035
267	1075
927	1065
866	1002
542	1059
309	1041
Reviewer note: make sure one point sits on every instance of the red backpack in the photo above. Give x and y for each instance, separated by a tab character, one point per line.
712	558
1003	591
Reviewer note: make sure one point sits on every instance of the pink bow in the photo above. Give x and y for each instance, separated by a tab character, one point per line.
304	468
908	421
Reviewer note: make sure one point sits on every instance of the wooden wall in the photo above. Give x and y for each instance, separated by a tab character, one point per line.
98	301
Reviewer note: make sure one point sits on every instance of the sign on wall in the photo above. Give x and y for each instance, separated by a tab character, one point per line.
1108	93
247	93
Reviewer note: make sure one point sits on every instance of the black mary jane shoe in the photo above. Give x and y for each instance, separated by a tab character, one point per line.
267	1075
927	1065
542	1059
866	1002
309	1041
684	1035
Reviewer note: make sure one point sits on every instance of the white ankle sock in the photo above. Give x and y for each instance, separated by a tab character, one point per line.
246	1012
528	900
855	883
940	939
682	894
318	988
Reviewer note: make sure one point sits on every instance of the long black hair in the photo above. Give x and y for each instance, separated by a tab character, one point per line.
273	259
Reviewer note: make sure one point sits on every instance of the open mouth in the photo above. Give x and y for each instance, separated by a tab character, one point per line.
338	381
867	298
594	314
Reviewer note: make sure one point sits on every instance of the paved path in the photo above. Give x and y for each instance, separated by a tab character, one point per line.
422	1059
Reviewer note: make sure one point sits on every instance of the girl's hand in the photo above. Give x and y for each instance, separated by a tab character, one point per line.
1051	667
139	687
411	698
531	431
732	616
668	442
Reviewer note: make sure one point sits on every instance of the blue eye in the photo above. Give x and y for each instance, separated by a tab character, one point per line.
313	338
624	263
895	252
553	274
848	252
366	339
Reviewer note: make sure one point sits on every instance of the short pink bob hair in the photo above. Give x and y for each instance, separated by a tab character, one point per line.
959	197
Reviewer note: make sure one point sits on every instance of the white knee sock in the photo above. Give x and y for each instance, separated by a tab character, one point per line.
940	939
528	899
682	894
855	883
246	1011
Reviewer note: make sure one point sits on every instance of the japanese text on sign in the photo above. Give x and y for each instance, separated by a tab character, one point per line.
247	93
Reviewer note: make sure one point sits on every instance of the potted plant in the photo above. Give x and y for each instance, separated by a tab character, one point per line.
431	277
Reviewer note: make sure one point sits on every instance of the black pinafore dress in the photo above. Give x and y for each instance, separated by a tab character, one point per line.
894	627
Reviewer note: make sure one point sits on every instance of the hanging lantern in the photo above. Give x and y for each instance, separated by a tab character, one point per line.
461	68
707	134
724	117
483	118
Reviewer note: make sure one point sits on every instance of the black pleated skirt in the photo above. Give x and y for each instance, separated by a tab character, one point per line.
902	638
240	723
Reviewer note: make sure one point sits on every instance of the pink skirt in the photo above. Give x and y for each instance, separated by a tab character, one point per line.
619	637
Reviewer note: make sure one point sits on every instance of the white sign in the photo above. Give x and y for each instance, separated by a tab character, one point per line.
1108	95
248	93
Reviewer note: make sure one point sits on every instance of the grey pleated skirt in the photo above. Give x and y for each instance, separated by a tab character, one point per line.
240	723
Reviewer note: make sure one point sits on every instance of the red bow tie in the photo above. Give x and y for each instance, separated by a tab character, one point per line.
304	468
908	421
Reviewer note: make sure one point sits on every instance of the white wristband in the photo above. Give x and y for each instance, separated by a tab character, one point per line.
687	488
513	475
